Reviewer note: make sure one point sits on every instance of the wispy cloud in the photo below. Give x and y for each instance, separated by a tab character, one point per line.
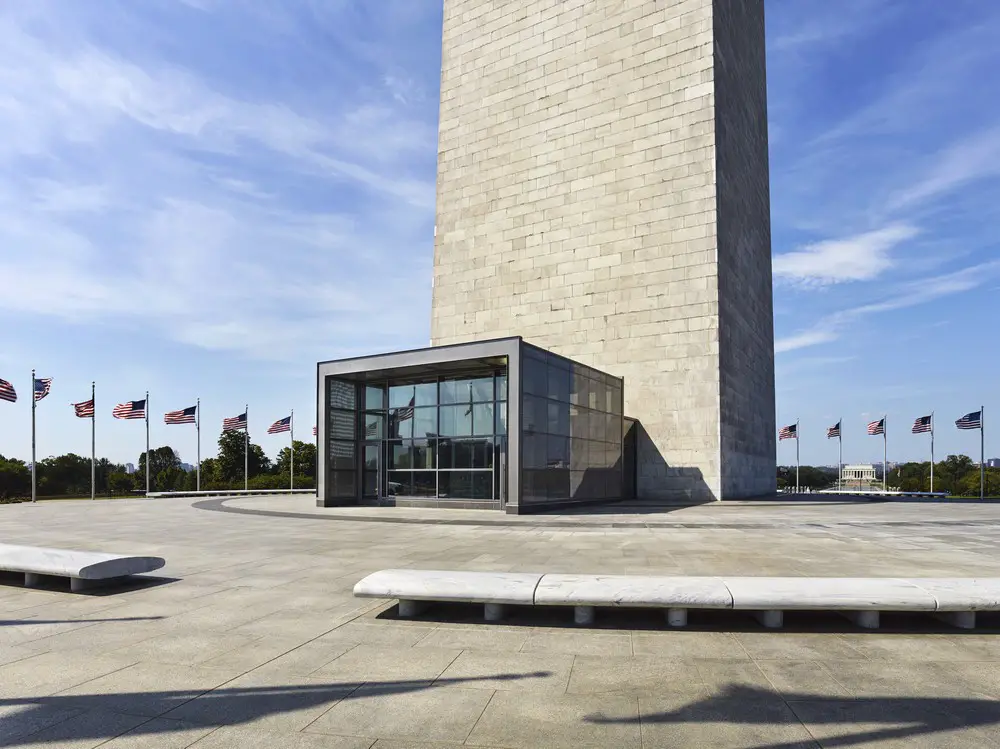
862	257
830	327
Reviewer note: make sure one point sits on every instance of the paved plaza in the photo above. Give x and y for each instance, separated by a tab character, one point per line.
253	638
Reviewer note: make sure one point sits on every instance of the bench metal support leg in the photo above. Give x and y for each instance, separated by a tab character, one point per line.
864	619
961	619
677	617
772	619
583	614
493	612
31	580
78	584
411	609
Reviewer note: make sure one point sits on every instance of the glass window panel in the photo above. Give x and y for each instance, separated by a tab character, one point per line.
558	383
501	418
424	483
371	457
370	484
482	418
501	387
341	425
425	422
342	483
426	394
613	428
557	452
593	392
482	453
400	454
535	377
423	453
374	398
577	378
558	483
482	389
534	414
374	426
456	391
341	455
342	394
466	484
534	450
401	423
579	458
401	396
456	421
400	483
616	399
533	486
558	418
456	454
614	456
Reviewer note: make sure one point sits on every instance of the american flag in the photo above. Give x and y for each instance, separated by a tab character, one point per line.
406	412
972	420
7	392
372	429
877	427
42	387
833	431
281	425
790	432
130	410
921	425
184	416
235	422
85	410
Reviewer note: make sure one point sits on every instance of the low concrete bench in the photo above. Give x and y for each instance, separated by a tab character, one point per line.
954	600
81	567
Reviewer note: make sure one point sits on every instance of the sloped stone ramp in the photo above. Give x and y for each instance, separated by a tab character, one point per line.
860	599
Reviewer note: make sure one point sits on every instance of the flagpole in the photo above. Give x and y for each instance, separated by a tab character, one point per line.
34	495
246	450
885	449
93	443
147	443
797	456
840	439
982	452
932	452
197	425
291	450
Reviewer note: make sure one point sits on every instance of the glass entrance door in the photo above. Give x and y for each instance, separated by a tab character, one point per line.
373	470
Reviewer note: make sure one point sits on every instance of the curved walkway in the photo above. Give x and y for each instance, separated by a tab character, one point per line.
729	515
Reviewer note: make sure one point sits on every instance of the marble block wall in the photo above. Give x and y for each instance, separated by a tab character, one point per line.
603	191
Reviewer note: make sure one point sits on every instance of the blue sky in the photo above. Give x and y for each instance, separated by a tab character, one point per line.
203	198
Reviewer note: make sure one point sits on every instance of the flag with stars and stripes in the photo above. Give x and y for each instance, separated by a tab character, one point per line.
85	410
833	431
235	423
7	392
972	420
184	416
130	410
790	432
877	427
922	425
43	386
281	425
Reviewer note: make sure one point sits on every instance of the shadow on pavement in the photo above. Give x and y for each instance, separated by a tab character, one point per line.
30	622
217	707
888	719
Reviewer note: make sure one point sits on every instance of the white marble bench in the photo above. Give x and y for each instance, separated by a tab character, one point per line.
954	600
416	588
81	567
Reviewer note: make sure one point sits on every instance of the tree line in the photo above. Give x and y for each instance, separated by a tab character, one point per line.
957	475
69	475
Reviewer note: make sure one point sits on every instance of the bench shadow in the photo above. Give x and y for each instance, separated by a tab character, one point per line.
699	620
113	586
896	719
50	719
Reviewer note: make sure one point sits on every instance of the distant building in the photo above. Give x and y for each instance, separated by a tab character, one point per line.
129	468
993	462
186	467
